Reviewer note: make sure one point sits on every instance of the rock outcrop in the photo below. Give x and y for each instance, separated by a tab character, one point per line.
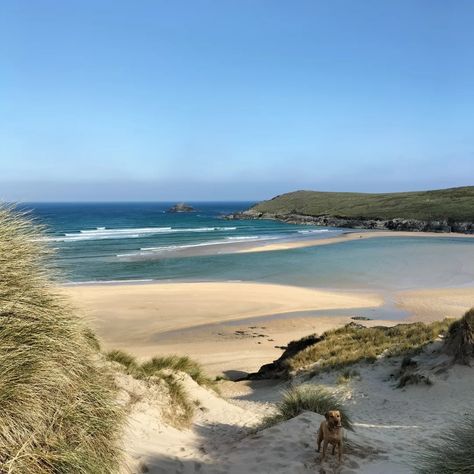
398	224
278	368
460	339
181	207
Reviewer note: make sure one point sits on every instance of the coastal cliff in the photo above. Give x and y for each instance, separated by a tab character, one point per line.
446	210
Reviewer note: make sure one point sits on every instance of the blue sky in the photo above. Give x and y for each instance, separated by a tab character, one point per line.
234	99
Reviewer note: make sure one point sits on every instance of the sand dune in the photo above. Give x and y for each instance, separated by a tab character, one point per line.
390	425
228	327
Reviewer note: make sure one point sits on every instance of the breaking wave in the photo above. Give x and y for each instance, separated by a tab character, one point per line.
101	233
146	251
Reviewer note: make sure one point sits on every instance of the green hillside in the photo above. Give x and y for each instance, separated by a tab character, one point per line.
456	204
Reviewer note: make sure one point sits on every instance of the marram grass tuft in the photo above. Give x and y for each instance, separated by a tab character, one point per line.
58	412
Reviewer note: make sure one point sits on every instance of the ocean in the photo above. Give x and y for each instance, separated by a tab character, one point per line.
116	242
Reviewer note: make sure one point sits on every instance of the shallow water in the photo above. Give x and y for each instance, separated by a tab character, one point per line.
138	241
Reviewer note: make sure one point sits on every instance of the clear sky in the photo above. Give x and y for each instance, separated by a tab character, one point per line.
233	99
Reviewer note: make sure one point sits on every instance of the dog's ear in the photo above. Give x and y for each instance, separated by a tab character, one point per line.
326	415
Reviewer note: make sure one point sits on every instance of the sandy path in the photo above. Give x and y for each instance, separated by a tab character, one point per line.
390	424
347	238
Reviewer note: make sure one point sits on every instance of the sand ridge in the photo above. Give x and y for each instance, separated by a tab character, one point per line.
347	237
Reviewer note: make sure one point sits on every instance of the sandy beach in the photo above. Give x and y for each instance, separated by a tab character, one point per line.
235	326
228	327
203	320
237	237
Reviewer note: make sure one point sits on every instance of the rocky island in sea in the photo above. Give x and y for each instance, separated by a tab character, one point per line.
181	207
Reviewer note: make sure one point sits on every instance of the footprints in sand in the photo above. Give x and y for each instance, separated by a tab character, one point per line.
248	333
221	442
284	448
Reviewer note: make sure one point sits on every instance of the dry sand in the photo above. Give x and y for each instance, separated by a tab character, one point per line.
346	237
391	424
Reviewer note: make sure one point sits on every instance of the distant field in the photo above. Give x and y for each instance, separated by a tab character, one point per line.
456	204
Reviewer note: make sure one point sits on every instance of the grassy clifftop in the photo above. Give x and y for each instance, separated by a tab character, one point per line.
456	204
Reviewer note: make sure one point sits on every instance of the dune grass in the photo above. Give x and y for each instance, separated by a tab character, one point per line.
452	453
184	408
346	376
125	359
57	402
158	364
181	364
180	412
307	397
351	344
160	370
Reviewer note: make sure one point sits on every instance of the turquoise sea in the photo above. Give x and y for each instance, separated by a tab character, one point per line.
99	242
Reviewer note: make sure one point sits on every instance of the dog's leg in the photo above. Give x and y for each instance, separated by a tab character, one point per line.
325	448
333	449
320	438
340	451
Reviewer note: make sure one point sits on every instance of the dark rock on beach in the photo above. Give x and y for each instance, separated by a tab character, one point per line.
459	341
278	369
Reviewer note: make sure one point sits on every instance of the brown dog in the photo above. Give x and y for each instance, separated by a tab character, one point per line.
330	431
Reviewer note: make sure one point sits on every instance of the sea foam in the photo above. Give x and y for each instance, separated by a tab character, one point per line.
101	233
313	231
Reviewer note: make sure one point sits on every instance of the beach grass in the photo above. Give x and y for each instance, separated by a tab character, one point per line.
164	370
181	409
307	397
352	343
126	360
452	453
181	364
347	375
58	411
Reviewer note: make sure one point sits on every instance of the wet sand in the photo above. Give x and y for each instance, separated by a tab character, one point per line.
201	319
228	326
